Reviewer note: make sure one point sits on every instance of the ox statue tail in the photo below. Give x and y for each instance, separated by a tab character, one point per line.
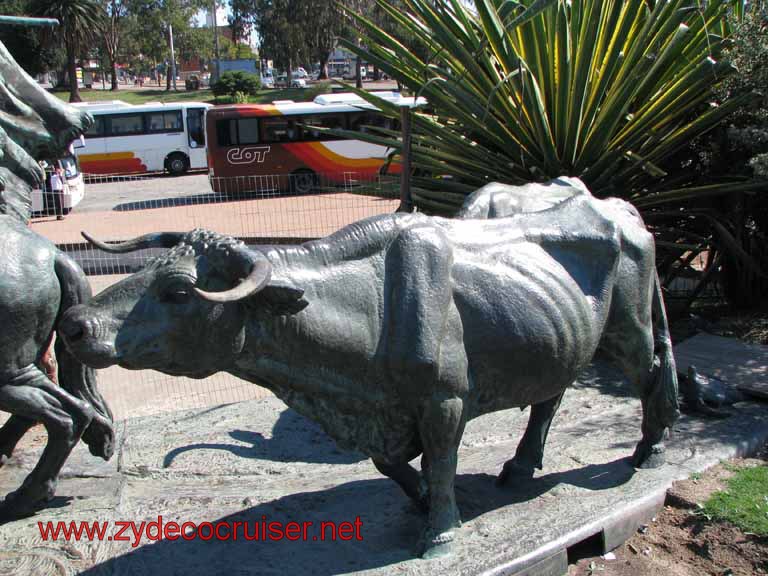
663	407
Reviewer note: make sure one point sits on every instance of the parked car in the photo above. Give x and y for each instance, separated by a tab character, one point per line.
282	81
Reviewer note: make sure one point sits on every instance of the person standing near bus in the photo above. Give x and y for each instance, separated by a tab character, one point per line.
57	191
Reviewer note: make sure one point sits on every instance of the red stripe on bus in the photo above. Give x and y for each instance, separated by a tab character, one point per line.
116	166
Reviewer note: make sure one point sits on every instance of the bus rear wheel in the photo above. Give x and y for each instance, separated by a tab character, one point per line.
177	164
303	181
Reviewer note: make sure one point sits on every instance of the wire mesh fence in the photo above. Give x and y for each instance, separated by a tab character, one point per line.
258	210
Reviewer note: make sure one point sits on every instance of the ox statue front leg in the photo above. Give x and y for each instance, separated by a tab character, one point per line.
441	427
530	451
30	395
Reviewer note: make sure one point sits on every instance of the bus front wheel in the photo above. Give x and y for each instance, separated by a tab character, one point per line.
303	181
177	164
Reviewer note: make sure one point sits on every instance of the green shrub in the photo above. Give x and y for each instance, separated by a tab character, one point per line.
234	81
315	90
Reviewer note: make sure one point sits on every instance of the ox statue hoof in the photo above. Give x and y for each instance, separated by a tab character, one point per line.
649	456
17	504
100	438
514	470
438	546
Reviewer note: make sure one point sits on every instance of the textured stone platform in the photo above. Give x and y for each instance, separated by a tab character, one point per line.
258	461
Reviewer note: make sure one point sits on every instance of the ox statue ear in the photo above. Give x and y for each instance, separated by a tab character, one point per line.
280	299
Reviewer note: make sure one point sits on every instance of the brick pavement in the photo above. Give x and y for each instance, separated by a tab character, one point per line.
297	216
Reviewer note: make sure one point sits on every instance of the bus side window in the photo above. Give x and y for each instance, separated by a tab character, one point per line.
97	130
195	127
164	121
226	132
332	121
248	131
126	124
278	129
361	122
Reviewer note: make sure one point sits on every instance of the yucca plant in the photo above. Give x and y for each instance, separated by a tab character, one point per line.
609	91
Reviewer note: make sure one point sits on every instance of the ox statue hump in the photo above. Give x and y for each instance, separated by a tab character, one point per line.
37	283
395	331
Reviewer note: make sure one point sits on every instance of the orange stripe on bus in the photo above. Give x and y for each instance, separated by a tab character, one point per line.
106	156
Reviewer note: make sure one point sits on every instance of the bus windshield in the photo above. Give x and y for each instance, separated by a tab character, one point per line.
69	164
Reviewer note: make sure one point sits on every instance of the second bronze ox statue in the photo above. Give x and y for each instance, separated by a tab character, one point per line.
395	331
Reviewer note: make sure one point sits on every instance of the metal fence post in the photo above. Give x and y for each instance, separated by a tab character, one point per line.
406	203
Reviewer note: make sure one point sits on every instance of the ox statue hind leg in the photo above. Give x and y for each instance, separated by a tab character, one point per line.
29	394
530	450
409	479
641	346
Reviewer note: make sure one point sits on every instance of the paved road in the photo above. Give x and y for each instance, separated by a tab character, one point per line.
131	192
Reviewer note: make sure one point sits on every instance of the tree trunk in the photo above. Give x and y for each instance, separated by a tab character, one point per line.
168	78
323	69
74	91
113	65
61	77
358	75
376	73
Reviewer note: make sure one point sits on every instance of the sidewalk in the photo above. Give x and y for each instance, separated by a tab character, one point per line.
290	216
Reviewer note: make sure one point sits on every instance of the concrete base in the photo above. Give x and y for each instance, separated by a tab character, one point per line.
257	461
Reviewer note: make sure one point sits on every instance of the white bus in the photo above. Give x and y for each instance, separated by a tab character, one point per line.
131	139
43	200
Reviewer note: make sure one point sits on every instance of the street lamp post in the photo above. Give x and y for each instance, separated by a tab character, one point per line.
214	23
173	57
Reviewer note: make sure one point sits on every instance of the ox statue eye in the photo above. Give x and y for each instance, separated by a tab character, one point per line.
175	295
176	291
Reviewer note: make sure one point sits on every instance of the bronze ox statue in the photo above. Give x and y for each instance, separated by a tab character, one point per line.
37	283
395	331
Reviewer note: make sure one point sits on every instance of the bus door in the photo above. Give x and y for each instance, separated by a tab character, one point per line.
196	137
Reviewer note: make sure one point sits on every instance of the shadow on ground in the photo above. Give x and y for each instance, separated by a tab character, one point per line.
294	438
389	532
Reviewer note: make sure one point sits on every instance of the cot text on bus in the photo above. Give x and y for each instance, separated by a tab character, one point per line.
247	155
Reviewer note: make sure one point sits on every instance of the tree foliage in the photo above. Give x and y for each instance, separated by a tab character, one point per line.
25	43
609	91
79	25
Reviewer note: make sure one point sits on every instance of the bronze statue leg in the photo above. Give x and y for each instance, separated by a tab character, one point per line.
32	396
633	353
441	426
10	434
530	450
409	479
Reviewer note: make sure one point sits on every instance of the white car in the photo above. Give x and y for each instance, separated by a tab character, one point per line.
282	80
